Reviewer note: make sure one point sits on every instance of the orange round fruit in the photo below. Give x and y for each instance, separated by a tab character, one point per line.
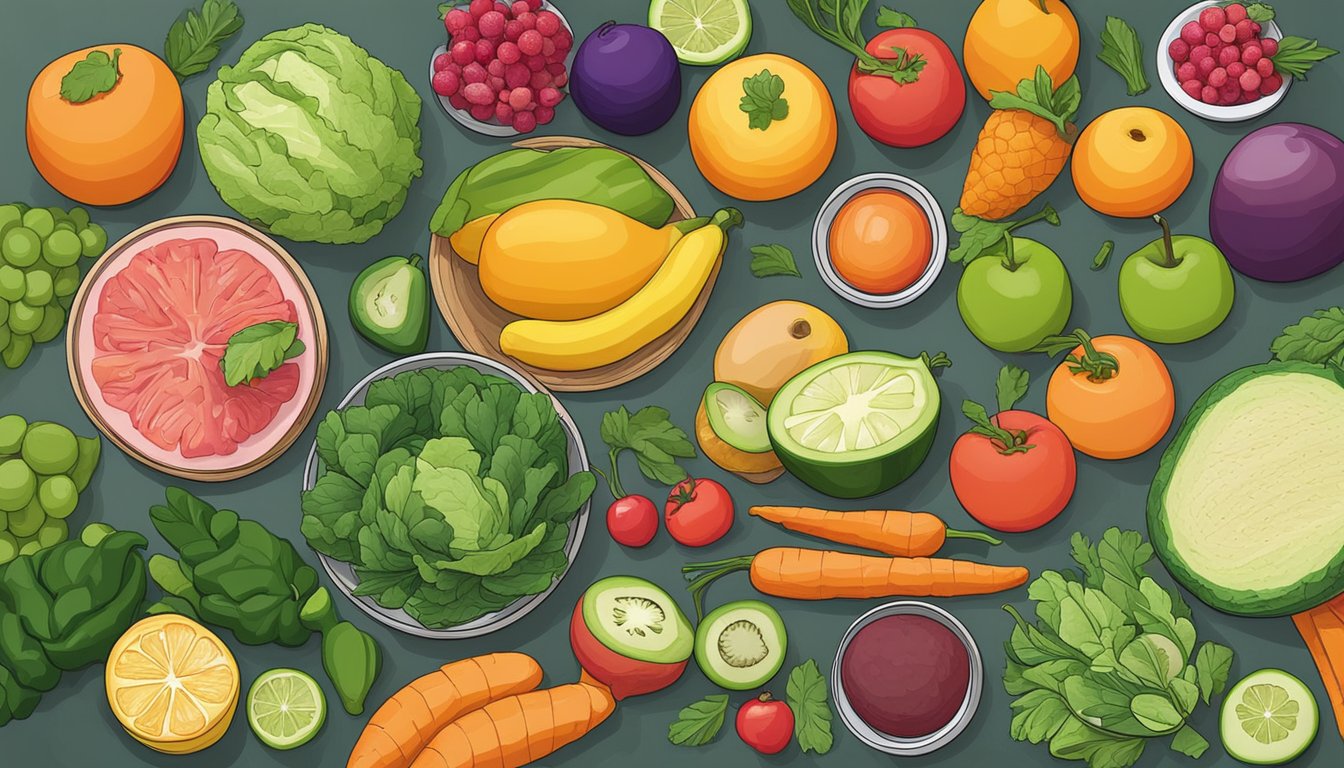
116	146
1132	162
773	344
880	241
1006	39
1117	417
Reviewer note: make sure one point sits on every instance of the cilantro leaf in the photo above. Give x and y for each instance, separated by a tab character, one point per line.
698	723
773	260
258	350
980	237
1122	51
811	710
656	442
890	19
194	39
1257	12
95	74
1212	665
1011	386
1317	338
763	99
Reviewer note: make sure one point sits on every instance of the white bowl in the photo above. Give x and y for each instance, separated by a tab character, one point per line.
343	574
821	230
1166	72
493	127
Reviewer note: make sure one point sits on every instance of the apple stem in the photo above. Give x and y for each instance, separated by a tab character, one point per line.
1042	4
1168	247
1009	252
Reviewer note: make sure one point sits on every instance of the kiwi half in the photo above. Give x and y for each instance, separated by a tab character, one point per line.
737	417
741	645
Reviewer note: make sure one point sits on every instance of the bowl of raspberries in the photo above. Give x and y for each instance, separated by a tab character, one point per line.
1218	61
505	66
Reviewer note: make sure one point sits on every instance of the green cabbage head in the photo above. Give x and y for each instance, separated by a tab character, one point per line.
311	138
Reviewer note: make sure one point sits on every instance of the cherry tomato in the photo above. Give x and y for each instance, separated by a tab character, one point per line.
632	521
698	512
1018	490
908	114
765	724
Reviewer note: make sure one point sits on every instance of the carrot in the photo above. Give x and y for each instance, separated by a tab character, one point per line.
812	574
517	730
1322	628
905	534
412	717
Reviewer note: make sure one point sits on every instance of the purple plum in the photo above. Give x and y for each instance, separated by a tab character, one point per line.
626	78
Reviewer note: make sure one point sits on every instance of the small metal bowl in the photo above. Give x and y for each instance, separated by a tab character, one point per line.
1166	72
921	745
821	231
343	574
493	127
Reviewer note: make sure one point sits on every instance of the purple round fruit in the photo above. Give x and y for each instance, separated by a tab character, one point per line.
626	78
1277	210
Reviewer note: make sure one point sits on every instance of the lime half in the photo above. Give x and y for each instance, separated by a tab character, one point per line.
857	424
703	32
1269	718
285	708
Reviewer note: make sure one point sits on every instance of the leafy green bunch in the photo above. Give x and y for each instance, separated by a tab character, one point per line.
1111	661
448	491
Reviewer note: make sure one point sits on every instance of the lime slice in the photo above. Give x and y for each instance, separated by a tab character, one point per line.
703	32
1269	718
285	708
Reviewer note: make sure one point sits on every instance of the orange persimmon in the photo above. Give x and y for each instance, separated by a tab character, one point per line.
116	145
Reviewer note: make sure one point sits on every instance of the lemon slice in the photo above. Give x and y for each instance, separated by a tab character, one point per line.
703	32
285	708
172	684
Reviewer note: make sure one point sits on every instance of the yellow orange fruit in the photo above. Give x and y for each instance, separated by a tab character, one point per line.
773	344
1006	39
172	684
753	467
881	241
1132	162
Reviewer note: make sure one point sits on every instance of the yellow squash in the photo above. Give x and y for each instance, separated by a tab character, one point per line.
566	260
653	310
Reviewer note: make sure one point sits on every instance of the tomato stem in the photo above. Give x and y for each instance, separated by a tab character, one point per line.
1099	366
1168	247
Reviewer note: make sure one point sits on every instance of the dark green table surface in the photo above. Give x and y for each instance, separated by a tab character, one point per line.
73	726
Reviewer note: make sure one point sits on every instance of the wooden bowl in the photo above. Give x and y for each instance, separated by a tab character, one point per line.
292	417
476	321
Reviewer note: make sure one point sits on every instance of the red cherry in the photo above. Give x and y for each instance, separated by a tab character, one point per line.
1209	95
456	21
504	114
1206	65
765	724
1187	72
1218	77
446	82
1235	69
1178	50
1244	30
491	24
1271	84
1250	80
633	520
544	114
1212	19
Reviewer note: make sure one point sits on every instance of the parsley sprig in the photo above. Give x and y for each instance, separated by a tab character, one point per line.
840	22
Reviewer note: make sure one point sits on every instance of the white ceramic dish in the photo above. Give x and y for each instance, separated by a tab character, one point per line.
922	745
1166	72
821	230
343	574
494	127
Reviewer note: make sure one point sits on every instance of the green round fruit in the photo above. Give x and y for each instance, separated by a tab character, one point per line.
703	32
28	546
17	485
50	449
21	247
1172	301
12	428
5	336
57	496
856	425
637	620
17	349
40	221
1269	718
38	289
1011	305
90	448
93	238
66	281
741	645
28	520
12	283
9	546
736	417
51	533
63	248
10	215
285	708
24	318
53	322
4	312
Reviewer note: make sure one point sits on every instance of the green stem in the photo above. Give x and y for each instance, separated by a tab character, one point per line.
934	362
1099	366
710	573
1010	263
726	218
953	533
614	480
1103	256
1168	247
1042	4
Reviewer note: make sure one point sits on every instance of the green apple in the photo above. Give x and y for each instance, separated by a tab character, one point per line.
1015	296
1176	288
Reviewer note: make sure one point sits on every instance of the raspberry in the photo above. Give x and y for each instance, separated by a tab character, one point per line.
555	67
1209	95
483	112
519	98
1206	65
1218	77
1235	13
1250	80
1192	88
1243	30
1187	72
463	53
519	7
1251	54
495	68
1179	50
548	23
456	21
524	122
1271	84
530	42
1212	39
534	4
1264	67
1249	96
478	93
1235	69
1227	55
469	35
1268	46
446	82
491	24
547	47
479	8
544	114
528	20
504	113
513	29
516	75
1199	52
1211	19
474	73
485	51
496	83
560	80
1228	34
442	61
549	96
458	101
563	41
536	63
1229	94
1192	33
540	80
502	7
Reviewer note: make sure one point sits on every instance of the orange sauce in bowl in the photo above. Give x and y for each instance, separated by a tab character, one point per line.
880	241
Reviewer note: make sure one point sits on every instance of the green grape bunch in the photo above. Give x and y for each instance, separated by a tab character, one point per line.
43	469
40	249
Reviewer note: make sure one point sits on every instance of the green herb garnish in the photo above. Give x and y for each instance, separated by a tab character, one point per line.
763	99
1297	55
194	39
811	710
258	350
1122	51
1103	256
93	75
773	260
656	442
980	237
698	724
1317	338
840	22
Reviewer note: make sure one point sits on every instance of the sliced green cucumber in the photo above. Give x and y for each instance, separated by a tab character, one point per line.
736	417
1269	718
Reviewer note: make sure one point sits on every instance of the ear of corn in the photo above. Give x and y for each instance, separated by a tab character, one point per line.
1022	148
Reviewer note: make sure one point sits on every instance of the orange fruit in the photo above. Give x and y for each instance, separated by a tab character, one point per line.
1132	162
773	343
1006	39
1121	416
115	147
881	241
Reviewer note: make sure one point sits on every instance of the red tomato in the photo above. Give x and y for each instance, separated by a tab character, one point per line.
698	512
765	724
1019	491
909	114
632	521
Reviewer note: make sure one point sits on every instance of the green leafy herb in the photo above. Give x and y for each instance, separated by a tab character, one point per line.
1122	51
1010	386
1103	256
1317	338
1098	365
93	75
840	23
773	260
1107	665
698	724
1040	97
763	99
980	237
1297	55
194	39
258	350
811	709
1257	12
656	442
